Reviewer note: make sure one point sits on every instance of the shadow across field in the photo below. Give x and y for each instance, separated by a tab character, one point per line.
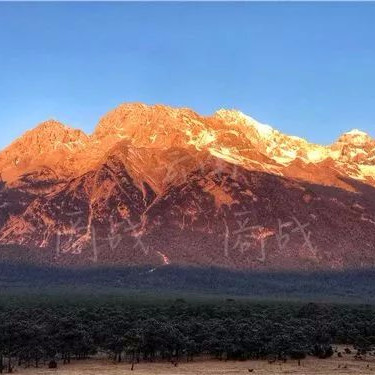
347	286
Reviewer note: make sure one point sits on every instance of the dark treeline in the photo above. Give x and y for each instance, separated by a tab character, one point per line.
48	333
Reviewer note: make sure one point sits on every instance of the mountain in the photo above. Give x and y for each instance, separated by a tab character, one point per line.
51	145
159	185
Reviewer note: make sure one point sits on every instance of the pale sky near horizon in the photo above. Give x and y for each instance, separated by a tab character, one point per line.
307	69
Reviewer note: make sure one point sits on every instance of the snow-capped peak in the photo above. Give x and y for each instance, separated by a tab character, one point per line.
357	132
355	137
234	116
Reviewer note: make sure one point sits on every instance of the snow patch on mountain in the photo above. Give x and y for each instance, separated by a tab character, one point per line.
234	116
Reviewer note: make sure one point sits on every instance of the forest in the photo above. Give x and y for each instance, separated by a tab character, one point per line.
52	331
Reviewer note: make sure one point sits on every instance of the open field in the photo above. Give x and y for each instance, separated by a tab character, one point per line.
332	366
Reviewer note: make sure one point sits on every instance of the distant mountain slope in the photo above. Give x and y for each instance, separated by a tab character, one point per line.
160	185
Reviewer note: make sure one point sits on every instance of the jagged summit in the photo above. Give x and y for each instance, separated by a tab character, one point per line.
355	136
232	117
51	123
357	132
230	135
47	144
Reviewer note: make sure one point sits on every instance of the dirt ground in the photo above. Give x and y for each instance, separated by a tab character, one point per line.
331	366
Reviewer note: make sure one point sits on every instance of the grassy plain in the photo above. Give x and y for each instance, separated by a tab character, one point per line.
331	366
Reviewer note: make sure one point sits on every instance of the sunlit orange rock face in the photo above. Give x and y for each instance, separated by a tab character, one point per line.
49	145
160	185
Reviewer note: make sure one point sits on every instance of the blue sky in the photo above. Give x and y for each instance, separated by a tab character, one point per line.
307	69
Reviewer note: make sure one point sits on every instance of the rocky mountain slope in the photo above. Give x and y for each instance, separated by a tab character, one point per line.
159	185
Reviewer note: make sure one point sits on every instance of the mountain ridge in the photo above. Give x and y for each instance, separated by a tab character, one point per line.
164	185
137	115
